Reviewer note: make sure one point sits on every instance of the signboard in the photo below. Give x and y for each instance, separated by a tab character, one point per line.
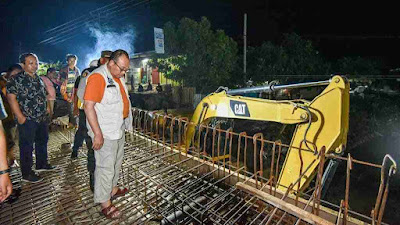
159	40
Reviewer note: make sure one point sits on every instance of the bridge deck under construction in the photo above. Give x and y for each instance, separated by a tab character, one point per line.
167	186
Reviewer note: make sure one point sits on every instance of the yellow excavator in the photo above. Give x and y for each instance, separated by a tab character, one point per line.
323	121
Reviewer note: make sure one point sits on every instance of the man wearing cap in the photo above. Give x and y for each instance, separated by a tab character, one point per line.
81	133
105	57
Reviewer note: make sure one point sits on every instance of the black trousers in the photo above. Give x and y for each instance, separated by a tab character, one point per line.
80	135
33	133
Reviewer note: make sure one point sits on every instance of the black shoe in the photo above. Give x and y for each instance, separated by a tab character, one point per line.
32	178
74	155
47	167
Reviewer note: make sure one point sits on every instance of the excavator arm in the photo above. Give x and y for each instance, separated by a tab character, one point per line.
320	122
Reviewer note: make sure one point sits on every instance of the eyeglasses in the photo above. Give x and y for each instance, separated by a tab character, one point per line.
120	68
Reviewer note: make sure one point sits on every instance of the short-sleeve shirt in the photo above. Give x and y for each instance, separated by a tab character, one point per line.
3	113
95	90
31	96
72	74
51	91
67	77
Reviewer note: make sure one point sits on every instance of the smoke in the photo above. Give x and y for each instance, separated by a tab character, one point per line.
106	39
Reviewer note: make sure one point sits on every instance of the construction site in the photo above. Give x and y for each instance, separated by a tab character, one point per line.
205	170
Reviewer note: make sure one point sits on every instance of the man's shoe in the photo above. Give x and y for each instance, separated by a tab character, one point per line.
32	178
47	167
119	193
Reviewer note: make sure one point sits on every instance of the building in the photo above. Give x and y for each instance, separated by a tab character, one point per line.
142	73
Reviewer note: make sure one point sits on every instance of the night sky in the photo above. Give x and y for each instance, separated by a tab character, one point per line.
337	28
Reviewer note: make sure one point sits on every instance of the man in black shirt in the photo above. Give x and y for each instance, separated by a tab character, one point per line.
27	97
82	132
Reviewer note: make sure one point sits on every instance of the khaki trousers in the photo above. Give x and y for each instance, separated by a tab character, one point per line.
108	164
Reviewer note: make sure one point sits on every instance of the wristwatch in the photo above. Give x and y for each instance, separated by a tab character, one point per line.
5	171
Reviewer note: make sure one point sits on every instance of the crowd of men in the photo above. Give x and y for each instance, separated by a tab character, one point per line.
98	97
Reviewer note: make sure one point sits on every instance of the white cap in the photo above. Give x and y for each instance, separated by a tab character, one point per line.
93	63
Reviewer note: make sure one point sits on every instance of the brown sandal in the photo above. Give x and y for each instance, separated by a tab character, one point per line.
111	212
119	193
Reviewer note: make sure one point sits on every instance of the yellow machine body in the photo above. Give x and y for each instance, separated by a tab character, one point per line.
328	125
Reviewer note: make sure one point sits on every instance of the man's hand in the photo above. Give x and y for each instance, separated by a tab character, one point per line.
21	120
69	95
12	100
5	187
98	141
76	111
91	117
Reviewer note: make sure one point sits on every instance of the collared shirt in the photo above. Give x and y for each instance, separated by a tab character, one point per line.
31	96
51	91
67	78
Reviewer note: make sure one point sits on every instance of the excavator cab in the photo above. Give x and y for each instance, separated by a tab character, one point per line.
320	122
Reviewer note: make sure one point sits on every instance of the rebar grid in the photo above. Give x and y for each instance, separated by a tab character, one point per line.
189	172
64	197
173	183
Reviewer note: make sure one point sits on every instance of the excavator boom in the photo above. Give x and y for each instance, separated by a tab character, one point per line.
321	122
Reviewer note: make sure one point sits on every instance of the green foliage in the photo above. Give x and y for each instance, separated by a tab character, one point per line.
42	70
295	56
199	57
302	57
196	55
358	66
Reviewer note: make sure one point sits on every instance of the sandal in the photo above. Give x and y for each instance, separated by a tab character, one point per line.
111	212
119	193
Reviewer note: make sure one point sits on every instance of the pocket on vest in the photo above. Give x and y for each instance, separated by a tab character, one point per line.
111	96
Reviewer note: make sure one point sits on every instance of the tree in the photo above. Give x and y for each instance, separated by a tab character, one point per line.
197	56
42	70
359	66
303	58
295	56
265	61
